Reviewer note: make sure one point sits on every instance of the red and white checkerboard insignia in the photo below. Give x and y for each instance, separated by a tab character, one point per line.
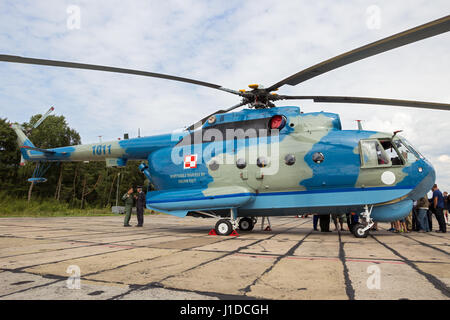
190	161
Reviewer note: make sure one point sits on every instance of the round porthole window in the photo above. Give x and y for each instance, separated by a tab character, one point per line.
240	163
289	159
318	157
214	165
262	162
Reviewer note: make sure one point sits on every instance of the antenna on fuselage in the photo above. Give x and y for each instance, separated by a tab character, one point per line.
359	124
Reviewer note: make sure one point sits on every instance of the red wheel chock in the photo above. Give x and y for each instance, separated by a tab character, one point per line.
232	234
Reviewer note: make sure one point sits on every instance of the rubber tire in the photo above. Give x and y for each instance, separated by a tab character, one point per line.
246	224
357	231
220	227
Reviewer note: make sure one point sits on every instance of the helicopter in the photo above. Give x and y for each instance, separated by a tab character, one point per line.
266	160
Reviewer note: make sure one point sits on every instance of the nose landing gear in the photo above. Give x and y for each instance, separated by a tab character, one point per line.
361	230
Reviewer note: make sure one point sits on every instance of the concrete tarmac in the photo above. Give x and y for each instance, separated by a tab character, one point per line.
175	258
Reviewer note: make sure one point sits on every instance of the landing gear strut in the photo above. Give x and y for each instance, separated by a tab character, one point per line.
361	230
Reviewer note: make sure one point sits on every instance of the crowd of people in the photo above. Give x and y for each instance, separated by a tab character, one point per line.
420	219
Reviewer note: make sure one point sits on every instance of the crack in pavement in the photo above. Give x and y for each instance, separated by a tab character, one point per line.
150	285
438	284
290	252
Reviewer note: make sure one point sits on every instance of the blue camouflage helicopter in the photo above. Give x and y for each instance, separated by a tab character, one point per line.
267	160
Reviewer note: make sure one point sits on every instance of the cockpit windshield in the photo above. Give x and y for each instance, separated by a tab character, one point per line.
406	151
411	148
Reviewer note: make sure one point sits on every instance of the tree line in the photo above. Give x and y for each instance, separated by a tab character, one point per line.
80	184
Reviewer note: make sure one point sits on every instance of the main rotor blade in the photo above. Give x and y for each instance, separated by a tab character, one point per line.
365	100
424	31
202	121
75	65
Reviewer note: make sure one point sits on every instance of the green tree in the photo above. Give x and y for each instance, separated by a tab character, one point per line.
9	156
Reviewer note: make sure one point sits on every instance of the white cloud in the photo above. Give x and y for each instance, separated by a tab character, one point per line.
444	158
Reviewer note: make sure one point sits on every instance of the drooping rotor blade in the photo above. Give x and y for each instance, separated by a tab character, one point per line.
75	65
421	32
202	121
42	118
365	100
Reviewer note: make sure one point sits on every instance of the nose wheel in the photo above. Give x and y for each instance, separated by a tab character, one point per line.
361	230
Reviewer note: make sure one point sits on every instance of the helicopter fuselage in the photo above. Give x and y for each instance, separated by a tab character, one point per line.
275	161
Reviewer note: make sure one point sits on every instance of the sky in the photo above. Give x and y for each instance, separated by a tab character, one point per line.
230	43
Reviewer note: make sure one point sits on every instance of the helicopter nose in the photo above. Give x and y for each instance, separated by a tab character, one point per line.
427	178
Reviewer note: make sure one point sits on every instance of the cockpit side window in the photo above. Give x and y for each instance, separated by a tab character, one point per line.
391	152
373	154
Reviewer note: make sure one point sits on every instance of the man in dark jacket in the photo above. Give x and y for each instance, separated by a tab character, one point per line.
438	205
140	205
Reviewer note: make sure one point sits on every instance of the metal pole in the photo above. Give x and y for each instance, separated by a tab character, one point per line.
117	192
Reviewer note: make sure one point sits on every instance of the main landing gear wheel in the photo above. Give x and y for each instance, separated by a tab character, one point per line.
223	227
359	231
246	224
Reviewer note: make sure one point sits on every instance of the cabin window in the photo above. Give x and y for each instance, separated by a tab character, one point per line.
214	165
373	154
289	159
262	162
318	157
240	163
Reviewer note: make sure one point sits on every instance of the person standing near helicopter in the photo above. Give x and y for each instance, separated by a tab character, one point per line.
438	205
129	201
140	205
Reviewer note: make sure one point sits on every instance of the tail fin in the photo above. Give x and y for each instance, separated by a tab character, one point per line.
22	140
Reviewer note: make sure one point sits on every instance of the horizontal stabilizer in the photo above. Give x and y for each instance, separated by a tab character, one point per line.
38	149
